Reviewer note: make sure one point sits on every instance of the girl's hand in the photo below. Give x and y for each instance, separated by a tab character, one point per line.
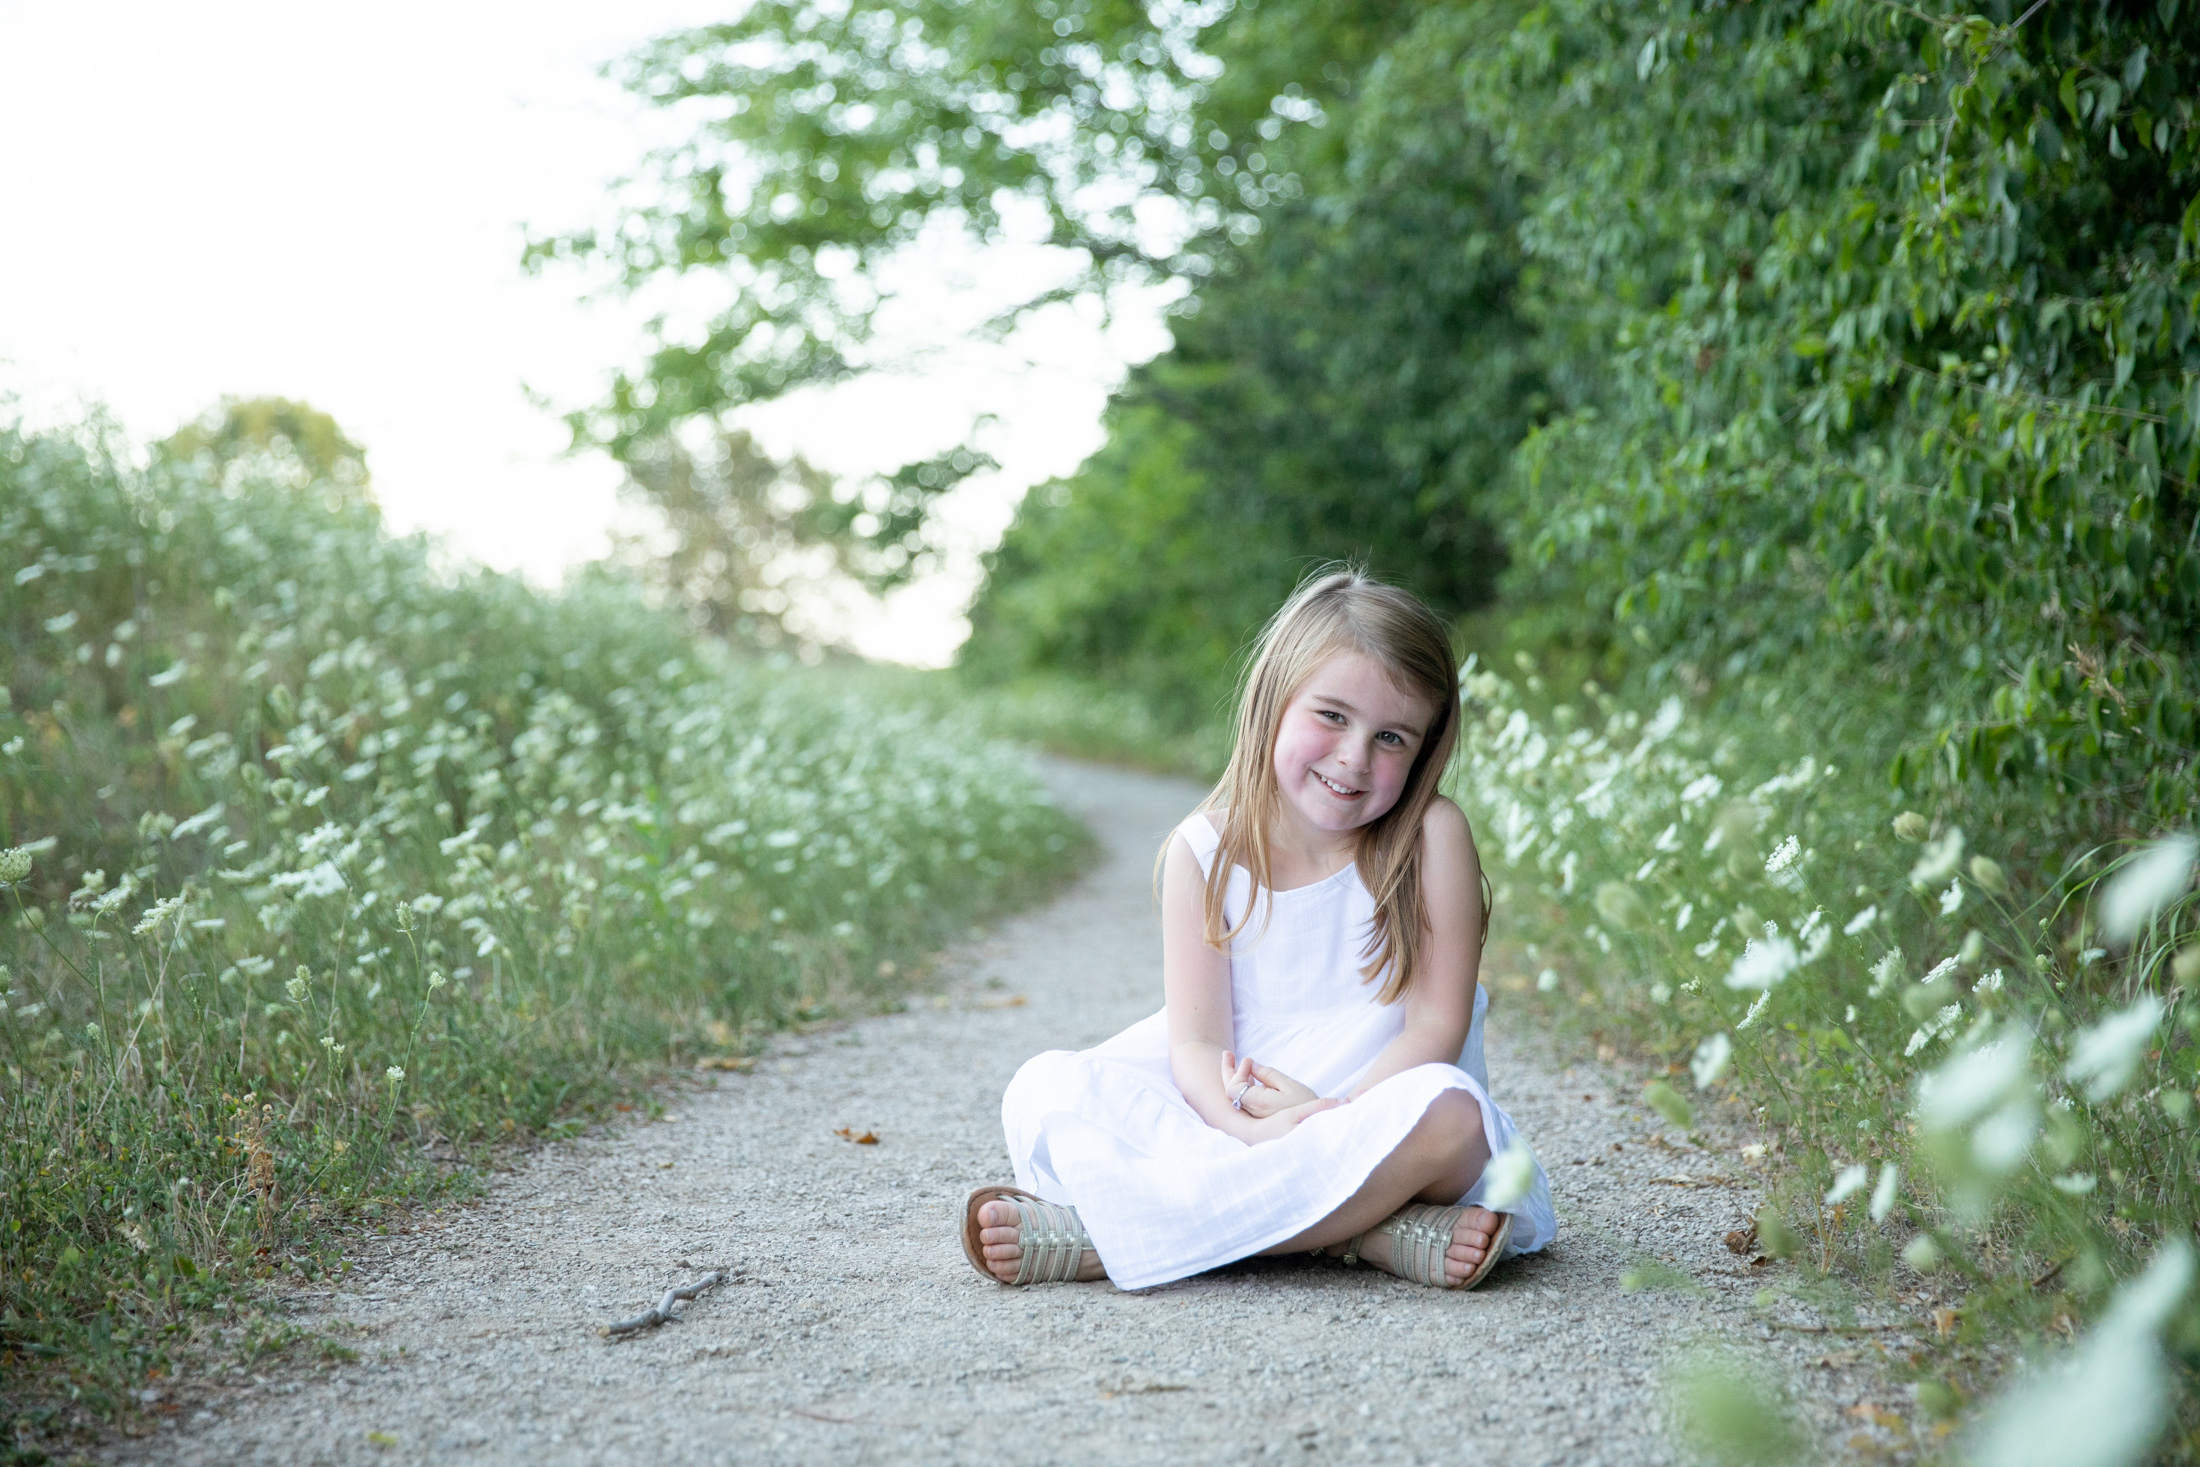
1267	1092
1284	1121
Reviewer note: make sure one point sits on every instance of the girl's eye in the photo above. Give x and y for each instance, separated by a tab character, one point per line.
1393	738
1332	715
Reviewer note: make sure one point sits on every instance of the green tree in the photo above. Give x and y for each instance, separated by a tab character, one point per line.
738	526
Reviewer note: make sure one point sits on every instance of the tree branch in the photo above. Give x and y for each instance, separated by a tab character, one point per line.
662	1312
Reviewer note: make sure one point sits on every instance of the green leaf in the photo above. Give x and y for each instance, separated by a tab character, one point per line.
1667	1102
1775	1236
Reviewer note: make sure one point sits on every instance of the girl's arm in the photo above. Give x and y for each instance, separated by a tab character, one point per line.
1195	980
1440	1005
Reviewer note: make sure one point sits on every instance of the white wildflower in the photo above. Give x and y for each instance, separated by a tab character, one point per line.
1754	1010
1509	1177
2147	882
15	864
1816	933
1860	921
1546	980
1939	860
156	914
1700	789
1711	1059
1952	898
1764	963
1883	1195
2105	1402
1922	1253
1932	1029
2076	1184
1991	983
1887	971
1973	1083
394	1073
1848	1184
2105	1056
1783	856
1680	922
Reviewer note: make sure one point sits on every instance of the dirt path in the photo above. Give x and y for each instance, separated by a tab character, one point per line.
858	1333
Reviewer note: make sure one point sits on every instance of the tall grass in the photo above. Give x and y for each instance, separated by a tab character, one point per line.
324	858
1979	1053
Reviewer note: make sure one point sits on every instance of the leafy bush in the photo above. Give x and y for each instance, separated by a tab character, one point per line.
1875	335
321	852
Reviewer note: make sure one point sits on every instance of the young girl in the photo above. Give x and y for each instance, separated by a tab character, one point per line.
1315	1081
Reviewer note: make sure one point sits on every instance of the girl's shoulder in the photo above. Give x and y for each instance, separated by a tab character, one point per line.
1444	820
1447	840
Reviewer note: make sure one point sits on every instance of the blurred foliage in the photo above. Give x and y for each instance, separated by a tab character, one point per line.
1730	1414
272	438
733	532
323	866
1982	1082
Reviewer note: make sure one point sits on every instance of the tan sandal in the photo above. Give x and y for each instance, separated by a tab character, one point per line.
1053	1240
1419	1234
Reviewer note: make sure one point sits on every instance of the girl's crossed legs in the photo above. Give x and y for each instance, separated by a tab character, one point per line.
1440	1158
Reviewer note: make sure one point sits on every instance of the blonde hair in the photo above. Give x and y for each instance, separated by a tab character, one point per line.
1335	612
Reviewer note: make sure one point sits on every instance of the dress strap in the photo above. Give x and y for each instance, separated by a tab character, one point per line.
1198	830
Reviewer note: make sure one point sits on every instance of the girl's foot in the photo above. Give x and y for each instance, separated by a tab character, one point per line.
998	1225
1471	1238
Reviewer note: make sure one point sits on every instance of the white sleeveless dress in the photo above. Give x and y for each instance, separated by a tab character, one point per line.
1165	1195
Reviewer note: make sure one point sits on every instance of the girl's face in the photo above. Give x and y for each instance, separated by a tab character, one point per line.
1347	742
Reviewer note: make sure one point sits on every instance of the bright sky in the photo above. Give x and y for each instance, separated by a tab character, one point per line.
326	202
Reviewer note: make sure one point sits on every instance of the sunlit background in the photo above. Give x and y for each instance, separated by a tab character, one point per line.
328	203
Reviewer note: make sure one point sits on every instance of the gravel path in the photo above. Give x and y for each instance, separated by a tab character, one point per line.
857	1333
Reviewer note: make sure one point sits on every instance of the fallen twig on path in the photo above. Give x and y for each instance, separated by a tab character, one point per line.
662	1313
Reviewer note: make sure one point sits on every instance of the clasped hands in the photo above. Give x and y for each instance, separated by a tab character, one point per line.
1273	1100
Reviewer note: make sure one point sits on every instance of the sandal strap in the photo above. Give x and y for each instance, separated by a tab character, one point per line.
1053	1240
1419	1234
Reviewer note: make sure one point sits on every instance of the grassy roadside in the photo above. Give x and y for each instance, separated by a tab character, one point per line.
1977	1052
1068	716
324	860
